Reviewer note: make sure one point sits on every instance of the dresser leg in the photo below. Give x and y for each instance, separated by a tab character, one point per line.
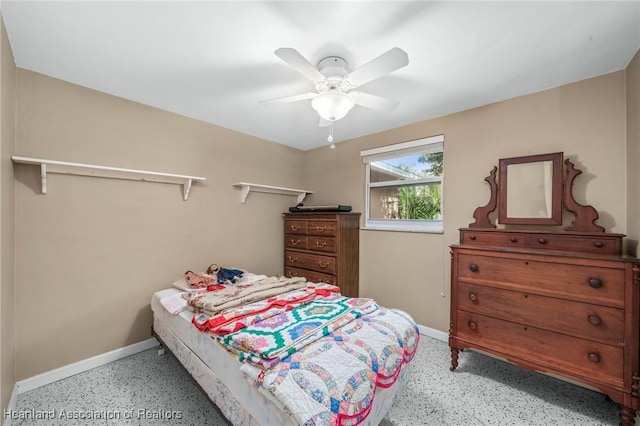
627	416
454	359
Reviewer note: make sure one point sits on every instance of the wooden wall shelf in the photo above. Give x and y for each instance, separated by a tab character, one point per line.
63	167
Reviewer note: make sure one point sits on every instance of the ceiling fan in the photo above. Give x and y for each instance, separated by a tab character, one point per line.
334	96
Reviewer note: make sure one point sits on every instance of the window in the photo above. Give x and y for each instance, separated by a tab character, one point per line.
404	185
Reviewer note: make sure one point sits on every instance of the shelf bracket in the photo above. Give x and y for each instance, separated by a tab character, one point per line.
186	188
245	193
43	177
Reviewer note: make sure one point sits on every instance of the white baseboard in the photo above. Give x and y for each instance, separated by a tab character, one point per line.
72	369
81	366
12	405
432	332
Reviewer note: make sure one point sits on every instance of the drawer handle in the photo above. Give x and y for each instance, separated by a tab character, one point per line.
595	320
595	283
292	274
323	265
295	242
295	227
473	297
472	237
594	357
473	325
513	239
473	267
324	243
542	240
598	244
293	259
321	228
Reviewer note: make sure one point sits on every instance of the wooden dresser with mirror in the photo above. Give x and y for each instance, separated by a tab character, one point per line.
560	301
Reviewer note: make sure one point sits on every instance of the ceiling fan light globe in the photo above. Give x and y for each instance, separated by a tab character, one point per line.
333	106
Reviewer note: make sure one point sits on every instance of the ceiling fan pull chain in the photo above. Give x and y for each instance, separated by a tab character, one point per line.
330	138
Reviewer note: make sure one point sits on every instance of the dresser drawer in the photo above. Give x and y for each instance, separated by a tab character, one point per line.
312	276
584	320
324	244
322	227
598	285
314	262
292	226
597	244
594	360
296	241
492	238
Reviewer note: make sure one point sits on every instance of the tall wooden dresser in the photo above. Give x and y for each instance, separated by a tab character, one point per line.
323	247
561	302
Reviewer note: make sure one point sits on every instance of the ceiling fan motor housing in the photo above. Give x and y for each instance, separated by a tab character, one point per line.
334	68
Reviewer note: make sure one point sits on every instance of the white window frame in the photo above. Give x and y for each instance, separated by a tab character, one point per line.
404	149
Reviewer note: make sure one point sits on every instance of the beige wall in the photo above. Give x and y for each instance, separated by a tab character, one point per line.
410	270
7	224
92	251
633	154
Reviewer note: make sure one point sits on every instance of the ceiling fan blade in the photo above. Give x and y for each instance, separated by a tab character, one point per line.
299	63
390	61
374	102
288	99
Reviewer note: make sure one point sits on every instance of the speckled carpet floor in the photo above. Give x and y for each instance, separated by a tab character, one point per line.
482	391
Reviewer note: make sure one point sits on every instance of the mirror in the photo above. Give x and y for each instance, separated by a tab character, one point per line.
530	190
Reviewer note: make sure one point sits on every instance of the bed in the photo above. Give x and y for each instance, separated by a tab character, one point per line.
279	351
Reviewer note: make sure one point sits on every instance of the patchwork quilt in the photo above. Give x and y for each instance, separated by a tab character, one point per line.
319	385
267	342
317	355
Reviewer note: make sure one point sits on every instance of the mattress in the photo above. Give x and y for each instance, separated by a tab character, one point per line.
218	372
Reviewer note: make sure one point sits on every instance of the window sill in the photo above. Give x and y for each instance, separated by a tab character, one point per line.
435	229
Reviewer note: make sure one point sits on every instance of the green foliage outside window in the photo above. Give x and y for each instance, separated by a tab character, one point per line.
423	202
419	202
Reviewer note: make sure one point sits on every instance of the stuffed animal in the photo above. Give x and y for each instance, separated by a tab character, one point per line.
224	275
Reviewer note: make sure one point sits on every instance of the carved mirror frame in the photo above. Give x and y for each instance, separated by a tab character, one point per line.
585	215
544	189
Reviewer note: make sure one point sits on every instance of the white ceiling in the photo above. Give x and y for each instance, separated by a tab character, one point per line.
214	61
